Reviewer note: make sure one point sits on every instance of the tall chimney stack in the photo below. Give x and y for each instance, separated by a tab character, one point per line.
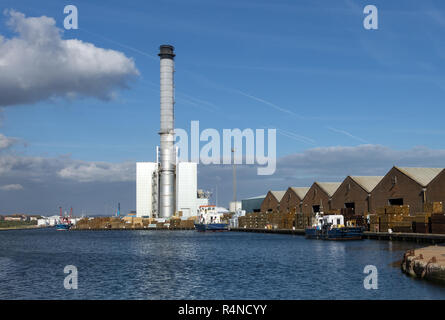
167	152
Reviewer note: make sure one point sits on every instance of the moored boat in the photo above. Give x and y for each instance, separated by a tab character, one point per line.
65	221
63	226
331	227
211	226
210	220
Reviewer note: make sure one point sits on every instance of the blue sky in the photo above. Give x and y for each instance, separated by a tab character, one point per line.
238	63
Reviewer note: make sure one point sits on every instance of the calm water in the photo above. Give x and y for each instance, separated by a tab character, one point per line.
191	265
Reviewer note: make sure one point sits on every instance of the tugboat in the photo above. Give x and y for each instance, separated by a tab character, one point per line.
65	222
210	220
331	227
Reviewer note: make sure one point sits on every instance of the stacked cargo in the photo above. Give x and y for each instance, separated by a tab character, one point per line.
374	223
281	220
175	223
259	220
116	223
422	222
274	220
256	220
226	217
437	219
134	223
242	222
308	220
356	221
288	221
352	219
146	222
391	217
403	227
438	223
82	224
137	223
285	220
434	207
299	221
160	225
99	223
398	219
187	224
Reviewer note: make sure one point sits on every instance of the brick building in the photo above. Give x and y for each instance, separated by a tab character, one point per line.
318	197
355	193
271	202
408	186
435	191
292	200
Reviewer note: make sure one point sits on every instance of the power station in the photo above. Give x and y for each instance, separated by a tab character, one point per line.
166	187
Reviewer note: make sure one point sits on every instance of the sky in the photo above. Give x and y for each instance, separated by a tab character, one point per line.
80	107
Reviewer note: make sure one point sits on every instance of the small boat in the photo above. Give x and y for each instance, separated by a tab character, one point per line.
331	227
65	222
63	226
211	227
210	220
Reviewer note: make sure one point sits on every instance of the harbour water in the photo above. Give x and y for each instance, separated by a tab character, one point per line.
192	265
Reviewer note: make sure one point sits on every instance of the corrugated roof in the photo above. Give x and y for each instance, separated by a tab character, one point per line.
329	187
300	191
422	176
257	197
278	194
367	182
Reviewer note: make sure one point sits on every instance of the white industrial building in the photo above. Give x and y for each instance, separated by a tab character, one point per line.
146	189
234	206
186	188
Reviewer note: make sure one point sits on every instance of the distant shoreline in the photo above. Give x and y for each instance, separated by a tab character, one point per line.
21	227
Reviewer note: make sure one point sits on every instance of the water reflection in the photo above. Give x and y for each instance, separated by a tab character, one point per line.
191	265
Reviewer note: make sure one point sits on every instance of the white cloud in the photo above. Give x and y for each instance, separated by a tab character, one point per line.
6	142
45	170
92	184
81	171
38	64
317	164
362	159
11	187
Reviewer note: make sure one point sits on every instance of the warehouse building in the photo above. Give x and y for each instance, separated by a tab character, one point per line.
271	202
252	204
355	193
292	200
435	191
318	197
407	186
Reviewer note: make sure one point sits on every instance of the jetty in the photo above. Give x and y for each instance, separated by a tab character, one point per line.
425	263
388	236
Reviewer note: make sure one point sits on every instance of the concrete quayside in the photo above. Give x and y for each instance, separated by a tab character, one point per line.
425	263
416	237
